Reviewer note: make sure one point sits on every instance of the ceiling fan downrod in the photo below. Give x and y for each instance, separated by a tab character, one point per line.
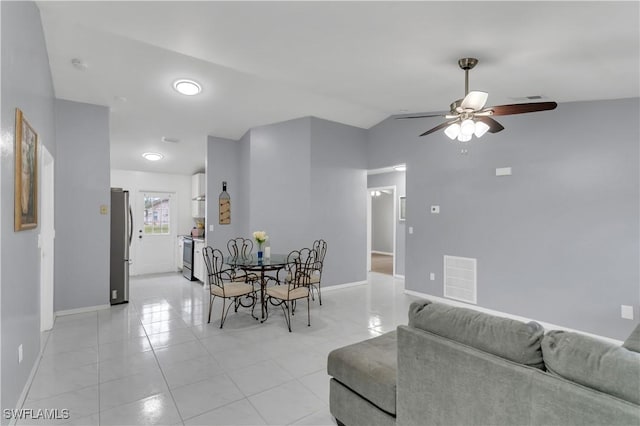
467	64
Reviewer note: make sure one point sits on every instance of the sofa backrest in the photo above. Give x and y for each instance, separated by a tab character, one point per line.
593	363
510	339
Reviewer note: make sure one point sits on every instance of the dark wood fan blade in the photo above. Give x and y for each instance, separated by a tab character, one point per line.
438	127
521	108
420	116
494	126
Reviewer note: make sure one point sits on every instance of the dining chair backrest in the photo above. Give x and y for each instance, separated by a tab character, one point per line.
300	265
240	248
320	247
214	261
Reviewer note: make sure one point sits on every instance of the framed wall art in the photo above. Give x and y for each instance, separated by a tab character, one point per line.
26	175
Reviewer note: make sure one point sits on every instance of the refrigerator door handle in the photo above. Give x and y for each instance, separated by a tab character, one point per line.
130	225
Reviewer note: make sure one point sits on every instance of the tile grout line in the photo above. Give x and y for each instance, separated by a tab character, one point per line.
175	404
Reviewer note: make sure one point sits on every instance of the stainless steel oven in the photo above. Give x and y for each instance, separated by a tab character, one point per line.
187	259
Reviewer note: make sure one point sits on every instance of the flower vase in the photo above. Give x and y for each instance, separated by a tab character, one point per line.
260	252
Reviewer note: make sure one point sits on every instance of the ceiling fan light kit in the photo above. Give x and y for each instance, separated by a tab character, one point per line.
469	116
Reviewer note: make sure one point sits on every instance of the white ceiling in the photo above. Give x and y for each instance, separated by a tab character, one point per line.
350	62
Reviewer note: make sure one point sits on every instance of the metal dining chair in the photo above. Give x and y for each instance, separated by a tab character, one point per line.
299	268
221	284
241	248
320	247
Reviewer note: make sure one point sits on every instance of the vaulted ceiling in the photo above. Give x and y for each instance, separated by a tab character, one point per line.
351	62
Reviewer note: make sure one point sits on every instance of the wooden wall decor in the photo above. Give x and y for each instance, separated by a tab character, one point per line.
224	201
26	175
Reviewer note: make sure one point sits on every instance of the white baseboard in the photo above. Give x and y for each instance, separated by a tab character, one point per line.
36	364
399	276
82	310
32	374
381	252
547	326
345	285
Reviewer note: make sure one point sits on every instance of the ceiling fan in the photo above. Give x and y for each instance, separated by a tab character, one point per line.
469	116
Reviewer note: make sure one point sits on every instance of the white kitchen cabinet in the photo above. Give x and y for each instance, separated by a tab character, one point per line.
198	194
197	209
198	185
198	260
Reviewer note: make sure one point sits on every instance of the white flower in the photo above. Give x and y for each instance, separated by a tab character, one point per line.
260	236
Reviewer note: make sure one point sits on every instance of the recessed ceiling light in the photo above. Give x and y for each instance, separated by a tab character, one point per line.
187	87
400	168
153	156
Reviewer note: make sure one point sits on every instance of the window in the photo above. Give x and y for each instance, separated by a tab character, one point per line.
156	214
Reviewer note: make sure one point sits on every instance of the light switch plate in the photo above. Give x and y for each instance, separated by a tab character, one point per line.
210	228
503	171
432	276
411	229
626	312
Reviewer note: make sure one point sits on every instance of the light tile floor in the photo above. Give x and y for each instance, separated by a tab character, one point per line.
156	360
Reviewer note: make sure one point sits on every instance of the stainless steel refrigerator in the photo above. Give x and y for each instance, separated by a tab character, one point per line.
121	234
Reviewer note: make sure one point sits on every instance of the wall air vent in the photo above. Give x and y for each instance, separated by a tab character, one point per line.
460	275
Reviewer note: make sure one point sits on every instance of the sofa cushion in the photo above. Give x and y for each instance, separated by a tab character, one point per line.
503	337
633	341
369	369
593	363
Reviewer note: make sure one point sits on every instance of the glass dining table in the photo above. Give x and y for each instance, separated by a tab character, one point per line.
251	264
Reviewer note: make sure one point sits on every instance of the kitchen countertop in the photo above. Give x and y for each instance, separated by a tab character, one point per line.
193	238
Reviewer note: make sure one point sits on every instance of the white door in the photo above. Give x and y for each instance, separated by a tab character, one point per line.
45	240
154	234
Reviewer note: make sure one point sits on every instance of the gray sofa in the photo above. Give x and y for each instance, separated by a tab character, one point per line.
456	366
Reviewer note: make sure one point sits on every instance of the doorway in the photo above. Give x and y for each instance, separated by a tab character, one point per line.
155	235
46	239
381	239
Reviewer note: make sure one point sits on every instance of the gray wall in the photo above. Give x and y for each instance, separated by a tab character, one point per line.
298	180
382	223
339	199
280	189
557	241
222	165
82	186
243	209
26	84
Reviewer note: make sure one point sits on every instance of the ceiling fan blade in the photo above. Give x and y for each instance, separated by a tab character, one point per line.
420	116
494	126
521	108
474	100
439	127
